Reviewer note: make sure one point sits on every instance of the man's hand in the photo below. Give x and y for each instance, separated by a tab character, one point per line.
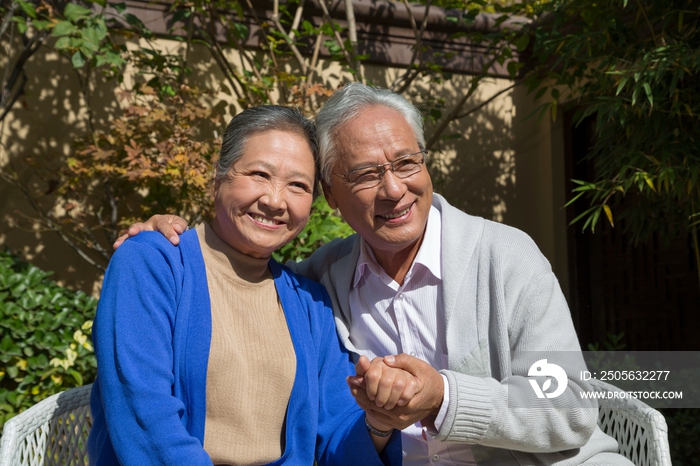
423	406
170	226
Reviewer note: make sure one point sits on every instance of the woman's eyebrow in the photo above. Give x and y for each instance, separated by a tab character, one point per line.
273	168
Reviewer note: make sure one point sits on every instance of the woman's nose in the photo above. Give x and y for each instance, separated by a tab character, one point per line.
274	199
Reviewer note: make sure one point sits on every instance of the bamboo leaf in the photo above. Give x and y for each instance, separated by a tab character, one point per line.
608	213
647	89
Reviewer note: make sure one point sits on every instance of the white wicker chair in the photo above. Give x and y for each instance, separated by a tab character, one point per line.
640	431
52	432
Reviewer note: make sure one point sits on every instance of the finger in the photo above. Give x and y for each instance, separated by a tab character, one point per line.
386	387
165	226
120	240
361	399
136	228
362	365
179	229
356	380
406	362
403	391
409	392
373	375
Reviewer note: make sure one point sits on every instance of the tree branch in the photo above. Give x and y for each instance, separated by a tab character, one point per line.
455	111
352	35
46	220
348	56
287	39
8	17
487	101
297	19
411	74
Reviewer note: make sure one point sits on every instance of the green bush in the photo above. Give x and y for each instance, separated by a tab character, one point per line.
45	343
324	226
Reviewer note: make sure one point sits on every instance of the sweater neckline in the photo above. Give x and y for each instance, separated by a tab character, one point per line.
226	259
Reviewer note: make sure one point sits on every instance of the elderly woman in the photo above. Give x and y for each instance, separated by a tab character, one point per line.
212	353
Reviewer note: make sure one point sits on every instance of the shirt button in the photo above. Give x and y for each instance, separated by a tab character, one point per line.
436	457
413	353
400	296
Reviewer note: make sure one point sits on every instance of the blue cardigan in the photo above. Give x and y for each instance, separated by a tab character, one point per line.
152	335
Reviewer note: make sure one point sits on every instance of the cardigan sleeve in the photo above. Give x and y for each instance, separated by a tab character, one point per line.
342	437
504	411
134	347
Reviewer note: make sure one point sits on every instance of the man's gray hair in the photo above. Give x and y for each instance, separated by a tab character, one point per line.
345	104
256	120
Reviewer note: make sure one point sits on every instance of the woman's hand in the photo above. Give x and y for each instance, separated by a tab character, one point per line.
170	226
386	386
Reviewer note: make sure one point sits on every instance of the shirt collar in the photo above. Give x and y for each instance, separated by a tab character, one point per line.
428	256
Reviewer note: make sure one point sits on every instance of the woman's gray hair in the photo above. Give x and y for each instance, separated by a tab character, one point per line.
345	104
256	120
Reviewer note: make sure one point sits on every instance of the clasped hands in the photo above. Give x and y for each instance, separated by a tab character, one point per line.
397	391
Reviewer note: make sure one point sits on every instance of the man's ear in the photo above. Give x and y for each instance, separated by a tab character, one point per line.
328	194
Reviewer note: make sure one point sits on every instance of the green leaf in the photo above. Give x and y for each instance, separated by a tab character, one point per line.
134	21
647	89
76	375
120	7
78	60
540	92
179	15
110	58
522	42
63	28
621	86
74	12
91	38
21	24
28	8
513	68
102	3
40	25
87	51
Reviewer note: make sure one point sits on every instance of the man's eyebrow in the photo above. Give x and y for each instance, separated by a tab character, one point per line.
402	153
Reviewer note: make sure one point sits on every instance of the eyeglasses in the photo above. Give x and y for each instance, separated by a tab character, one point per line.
370	176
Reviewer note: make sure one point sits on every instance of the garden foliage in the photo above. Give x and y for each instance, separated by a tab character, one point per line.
634	67
153	152
44	337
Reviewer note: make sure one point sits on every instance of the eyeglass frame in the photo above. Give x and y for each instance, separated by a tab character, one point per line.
383	169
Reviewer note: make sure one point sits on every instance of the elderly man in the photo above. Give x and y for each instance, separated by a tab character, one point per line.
461	300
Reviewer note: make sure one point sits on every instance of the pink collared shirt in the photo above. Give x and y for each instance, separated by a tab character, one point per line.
388	318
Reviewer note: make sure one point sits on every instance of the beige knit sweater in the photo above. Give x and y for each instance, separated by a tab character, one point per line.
251	360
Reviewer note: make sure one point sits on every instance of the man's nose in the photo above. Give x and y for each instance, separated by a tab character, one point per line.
391	186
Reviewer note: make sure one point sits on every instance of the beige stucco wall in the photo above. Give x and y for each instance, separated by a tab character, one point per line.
499	165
